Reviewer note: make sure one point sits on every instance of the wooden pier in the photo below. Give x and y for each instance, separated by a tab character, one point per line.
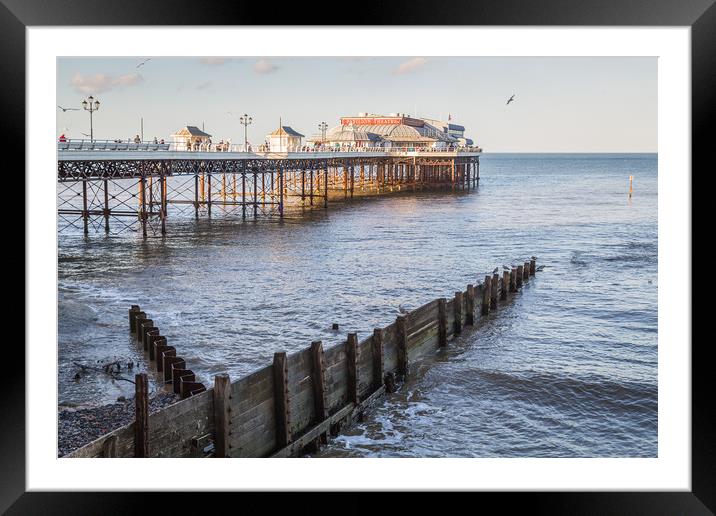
107	192
294	405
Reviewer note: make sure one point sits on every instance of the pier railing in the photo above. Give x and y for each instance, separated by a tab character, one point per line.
296	403
116	145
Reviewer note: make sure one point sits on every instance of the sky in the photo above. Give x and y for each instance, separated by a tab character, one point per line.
562	104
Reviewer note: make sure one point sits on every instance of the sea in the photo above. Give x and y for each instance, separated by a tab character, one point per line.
568	368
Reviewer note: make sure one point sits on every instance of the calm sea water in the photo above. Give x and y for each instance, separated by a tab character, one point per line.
568	369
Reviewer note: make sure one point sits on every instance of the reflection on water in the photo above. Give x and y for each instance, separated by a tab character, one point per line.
567	369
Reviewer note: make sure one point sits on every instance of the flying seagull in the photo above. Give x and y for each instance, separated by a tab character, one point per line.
68	108
142	63
510	99
507	268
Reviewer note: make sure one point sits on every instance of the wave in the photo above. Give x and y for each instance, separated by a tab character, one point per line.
577	393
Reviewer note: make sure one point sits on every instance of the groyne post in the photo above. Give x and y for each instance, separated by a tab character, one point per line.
352	363
520	275
513	280
319	381
378	357
222	415
494	285
457	310
486	291
280	382
401	330
133	311
533	266
470	305
141	415
442	322
505	284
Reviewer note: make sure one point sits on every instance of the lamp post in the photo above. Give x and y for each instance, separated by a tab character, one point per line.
246	121
91	105
322	127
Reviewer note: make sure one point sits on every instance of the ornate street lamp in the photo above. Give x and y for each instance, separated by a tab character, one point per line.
246	121
91	105
322	127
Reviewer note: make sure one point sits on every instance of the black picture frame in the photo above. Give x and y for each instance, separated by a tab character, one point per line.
700	15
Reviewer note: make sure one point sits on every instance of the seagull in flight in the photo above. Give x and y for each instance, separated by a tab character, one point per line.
142	63
510	99
64	109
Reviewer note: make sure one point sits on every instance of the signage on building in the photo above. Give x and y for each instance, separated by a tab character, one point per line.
371	121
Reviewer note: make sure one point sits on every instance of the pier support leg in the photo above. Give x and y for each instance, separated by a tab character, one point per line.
85	212
325	180
280	188
143	204
163	205
106	207
196	196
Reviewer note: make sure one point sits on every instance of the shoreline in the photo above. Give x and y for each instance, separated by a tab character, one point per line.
77	427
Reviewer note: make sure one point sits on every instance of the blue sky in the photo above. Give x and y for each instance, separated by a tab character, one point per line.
562	104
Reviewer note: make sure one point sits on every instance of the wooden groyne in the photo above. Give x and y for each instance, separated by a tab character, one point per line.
295	404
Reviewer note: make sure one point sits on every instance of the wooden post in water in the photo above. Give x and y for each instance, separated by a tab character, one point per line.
222	415
470	305
442	322
280	385
505	284
526	271
519	276
494	286
320	405
457	310
486	291
141	415
352	362
513	280
533	266
400	323
133	311
378	360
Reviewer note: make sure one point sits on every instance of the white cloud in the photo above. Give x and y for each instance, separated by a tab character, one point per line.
101	82
264	66
411	65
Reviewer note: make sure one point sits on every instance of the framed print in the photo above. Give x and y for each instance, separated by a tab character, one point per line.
433	249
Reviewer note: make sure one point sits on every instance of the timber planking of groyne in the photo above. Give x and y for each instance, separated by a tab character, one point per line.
295	404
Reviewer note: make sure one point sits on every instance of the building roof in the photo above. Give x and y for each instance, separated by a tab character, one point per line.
191	130
455	127
350	133
285	130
